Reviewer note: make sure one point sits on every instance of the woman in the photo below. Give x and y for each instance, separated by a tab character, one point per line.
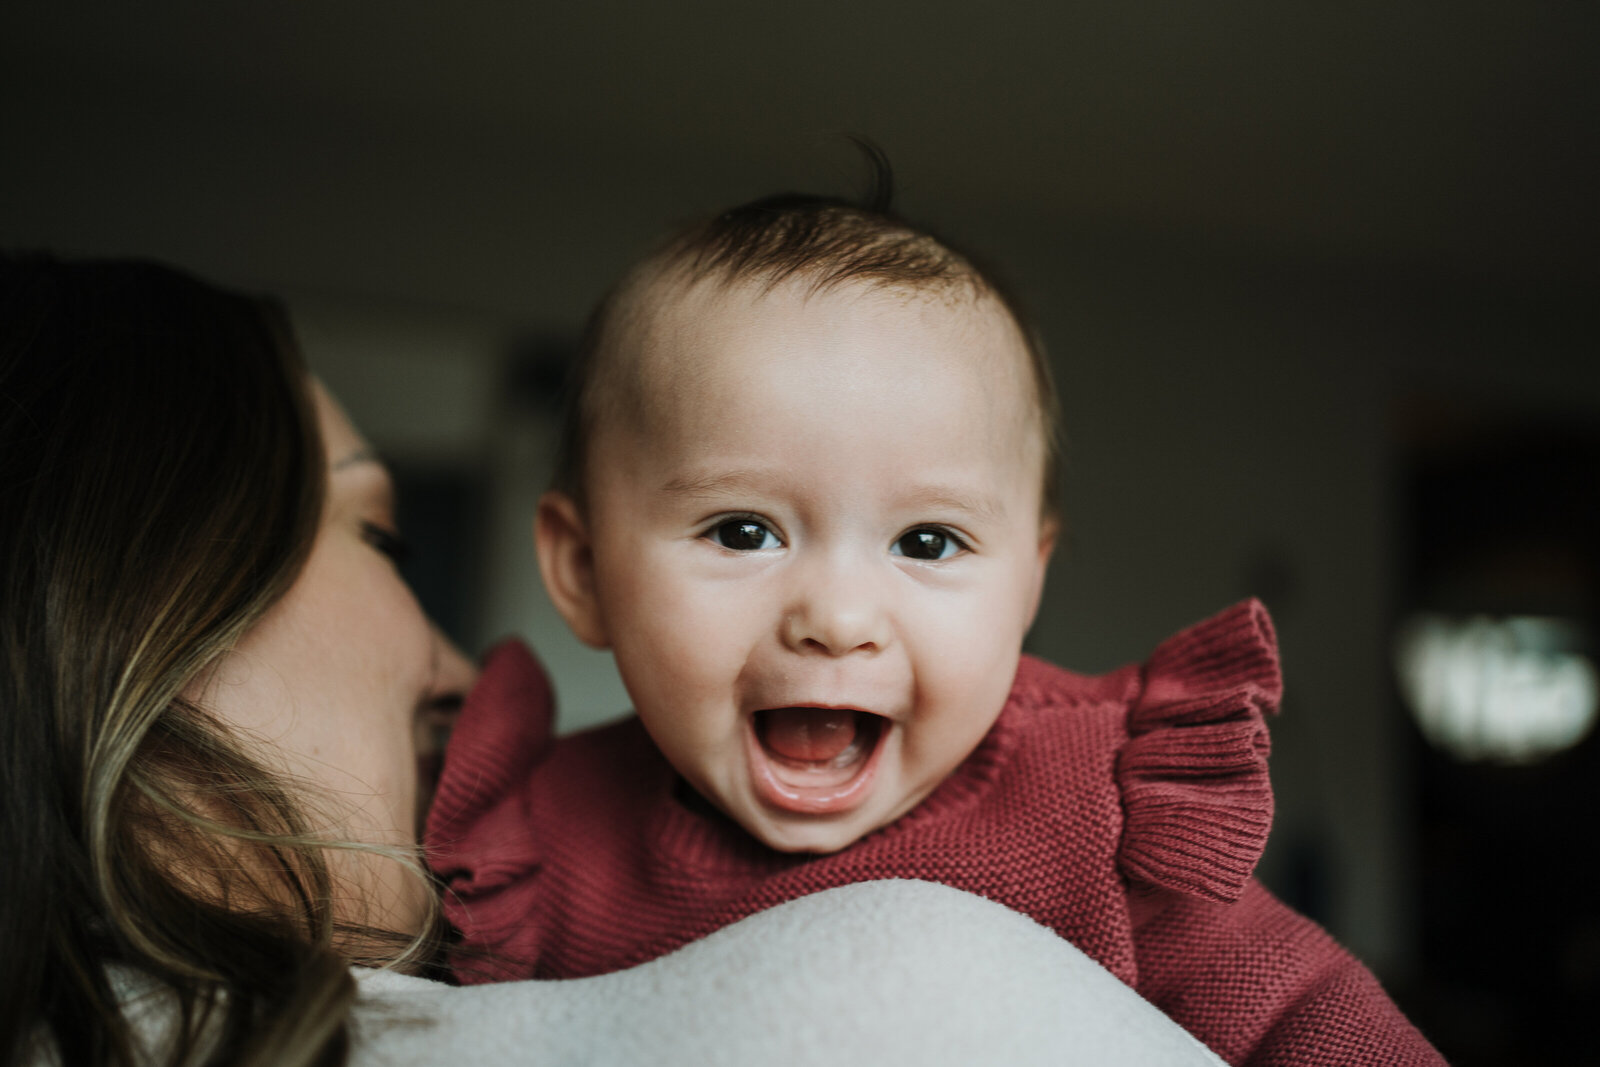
217	702
162	484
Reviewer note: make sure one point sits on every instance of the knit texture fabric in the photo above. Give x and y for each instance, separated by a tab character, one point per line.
1124	811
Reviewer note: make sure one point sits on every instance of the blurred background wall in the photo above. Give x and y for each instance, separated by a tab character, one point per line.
1296	265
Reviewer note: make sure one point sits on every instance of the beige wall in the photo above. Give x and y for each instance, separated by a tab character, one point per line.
1230	423
1238	281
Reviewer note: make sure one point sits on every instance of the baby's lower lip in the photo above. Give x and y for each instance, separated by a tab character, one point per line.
825	786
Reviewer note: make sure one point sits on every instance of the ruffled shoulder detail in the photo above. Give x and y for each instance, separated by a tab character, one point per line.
506	728
1196	797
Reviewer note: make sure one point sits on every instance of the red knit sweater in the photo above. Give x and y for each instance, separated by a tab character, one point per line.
1125	811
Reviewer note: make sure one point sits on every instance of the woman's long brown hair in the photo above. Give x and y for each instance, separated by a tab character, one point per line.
160	485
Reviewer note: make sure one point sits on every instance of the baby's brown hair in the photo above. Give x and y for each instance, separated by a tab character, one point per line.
824	242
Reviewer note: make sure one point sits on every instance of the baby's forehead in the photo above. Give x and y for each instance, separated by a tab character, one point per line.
674	323
695	351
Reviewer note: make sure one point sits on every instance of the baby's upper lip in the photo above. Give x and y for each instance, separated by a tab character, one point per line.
870	708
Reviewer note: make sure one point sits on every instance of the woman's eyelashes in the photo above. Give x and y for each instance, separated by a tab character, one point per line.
928	543
387	541
743	534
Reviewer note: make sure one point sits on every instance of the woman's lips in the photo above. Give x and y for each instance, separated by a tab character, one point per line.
813	760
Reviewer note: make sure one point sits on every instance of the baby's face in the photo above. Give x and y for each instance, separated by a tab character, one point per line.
816	555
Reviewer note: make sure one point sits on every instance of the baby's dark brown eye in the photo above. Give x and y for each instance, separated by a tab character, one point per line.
744	535
927	543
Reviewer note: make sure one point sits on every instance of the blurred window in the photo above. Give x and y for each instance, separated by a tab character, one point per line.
1511	690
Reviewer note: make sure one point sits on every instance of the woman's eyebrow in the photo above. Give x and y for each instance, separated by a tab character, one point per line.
364	454
369	470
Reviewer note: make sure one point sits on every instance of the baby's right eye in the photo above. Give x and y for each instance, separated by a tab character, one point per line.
743	535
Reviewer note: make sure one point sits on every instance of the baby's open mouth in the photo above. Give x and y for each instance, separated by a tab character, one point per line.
816	760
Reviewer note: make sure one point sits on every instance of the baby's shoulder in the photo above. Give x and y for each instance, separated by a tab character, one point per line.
1183	739
1221	668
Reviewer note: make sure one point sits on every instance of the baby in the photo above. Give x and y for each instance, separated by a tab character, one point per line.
807	498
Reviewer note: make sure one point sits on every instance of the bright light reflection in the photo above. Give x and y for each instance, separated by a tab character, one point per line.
1511	690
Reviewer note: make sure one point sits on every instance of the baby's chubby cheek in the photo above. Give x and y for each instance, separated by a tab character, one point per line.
686	700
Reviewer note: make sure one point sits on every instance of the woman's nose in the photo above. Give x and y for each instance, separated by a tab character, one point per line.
453	672
836	610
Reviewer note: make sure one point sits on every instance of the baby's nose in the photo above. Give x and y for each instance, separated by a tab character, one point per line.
836	613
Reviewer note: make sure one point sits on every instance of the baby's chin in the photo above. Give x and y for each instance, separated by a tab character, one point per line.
786	831
818	834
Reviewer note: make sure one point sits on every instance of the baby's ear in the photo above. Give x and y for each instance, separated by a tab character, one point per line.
566	561
1049	530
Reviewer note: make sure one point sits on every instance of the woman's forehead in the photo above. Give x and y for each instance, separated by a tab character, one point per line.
341	441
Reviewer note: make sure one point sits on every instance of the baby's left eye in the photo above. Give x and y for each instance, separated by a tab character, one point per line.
927	543
743	535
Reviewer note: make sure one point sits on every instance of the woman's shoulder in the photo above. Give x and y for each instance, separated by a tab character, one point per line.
894	971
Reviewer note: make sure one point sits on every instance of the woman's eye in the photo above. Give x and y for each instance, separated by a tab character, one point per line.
387	541
927	542
744	535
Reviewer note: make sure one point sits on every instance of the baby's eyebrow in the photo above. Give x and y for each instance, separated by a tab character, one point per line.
721	483
931	499
938	499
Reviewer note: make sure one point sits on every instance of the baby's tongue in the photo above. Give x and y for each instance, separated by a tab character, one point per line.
809	734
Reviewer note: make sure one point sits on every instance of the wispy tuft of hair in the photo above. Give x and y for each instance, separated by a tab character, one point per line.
822	242
826	240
